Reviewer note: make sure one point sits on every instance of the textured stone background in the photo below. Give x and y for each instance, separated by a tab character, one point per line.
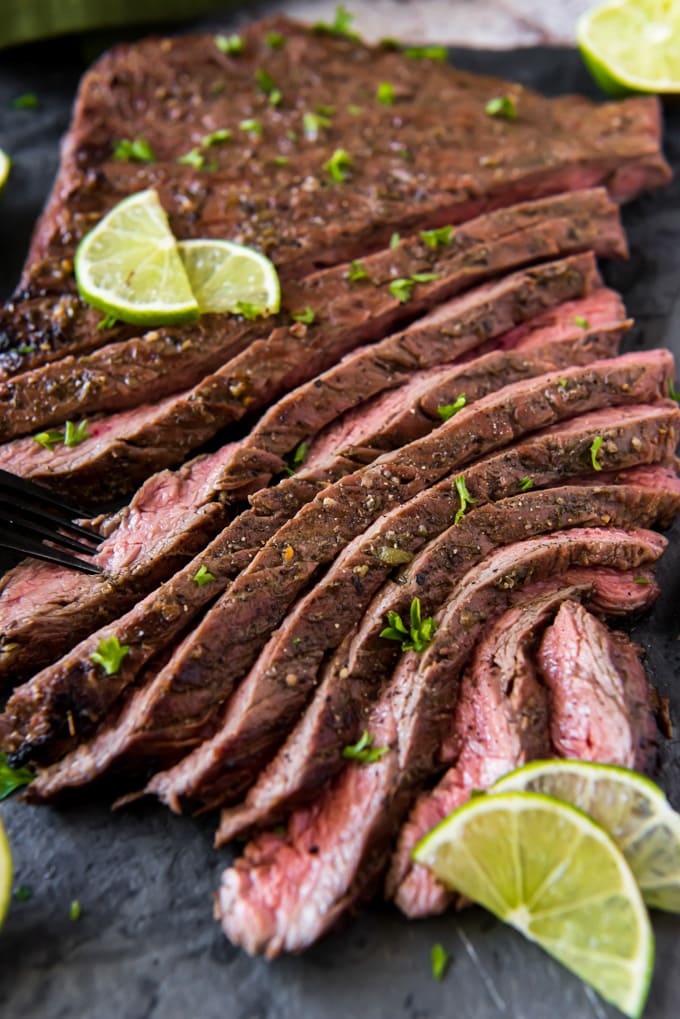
145	946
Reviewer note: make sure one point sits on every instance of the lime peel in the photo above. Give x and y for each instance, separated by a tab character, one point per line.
5	166
5	874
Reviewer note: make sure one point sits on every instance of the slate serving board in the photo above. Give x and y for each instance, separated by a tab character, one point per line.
145	946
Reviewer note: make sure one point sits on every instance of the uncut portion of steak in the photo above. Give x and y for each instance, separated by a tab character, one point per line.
279	896
312	753
502	721
144	730
599	694
246	194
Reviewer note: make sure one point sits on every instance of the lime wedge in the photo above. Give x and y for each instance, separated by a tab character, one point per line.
629	807
226	277
5	165
555	875
632	45
128	266
5	874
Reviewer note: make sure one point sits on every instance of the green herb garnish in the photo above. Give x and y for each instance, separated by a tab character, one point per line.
264	81
280	160
12	778
108	322
251	126
109	654
582	322
75	434
25	348
673	393
501	106
193	158
223	134
298	458
275	40
426	53
595	448
641	580
28	101
49	439
312	123
440	960
74	910
401	289
356	272
275	97
395	240
425	277
465	498
363	750
307	315
419	634
324	109
354	111
249	311
447	410
385	93
338	166
136	151
433	238
230	44
203	576
340	26
525	484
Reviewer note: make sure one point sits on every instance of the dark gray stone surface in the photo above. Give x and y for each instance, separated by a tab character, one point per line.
145	946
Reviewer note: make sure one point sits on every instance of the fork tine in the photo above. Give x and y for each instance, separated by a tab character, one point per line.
29	546
34	497
36	528
11	503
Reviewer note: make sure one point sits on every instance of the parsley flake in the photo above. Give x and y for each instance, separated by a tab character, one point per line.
223	134
395	240
338	166
673	393
401	289
312	123
109	654
275	97
385	93
526	484
307	315
108	322
465	498
275	40
28	101
595	448
440	960
433	238
136	151
202	576
74	911
232	44
75	434
425	277
264	81
641	580
354	111
501	106
193	158
12	778
251	126
24	349
280	160
582	322
298	458
437	53
324	109
49	439
340	26
356	272
419	634
363	750
447	410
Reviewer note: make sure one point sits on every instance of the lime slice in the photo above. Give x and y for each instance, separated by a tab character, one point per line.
632	45
226	277
129	266
629	807
5	874
555	875
5	164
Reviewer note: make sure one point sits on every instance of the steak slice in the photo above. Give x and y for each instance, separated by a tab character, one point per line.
143	732
282	897
233	632
502	721
554	145
599	695
312	753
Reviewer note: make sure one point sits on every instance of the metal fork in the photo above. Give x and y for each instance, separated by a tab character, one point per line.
32	521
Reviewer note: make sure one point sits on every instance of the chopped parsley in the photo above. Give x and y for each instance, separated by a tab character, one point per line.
136	150
193	158
356	272
465	498
23	893
312	123
340	26
338	166
501	106
230	44
25	348
354	111
264	81
439	958
202	576
223	134
280	160
275	40
75	434
275	97
74	910
425	277
12	778
401	289
582	322
324	109
385	93
426	53
447	410
363	750
419	634
28	101
251	126
595	448
49	439
641	580
307	315
108	322
395	240
433	238
525	484
109	654
298	458
249	311
673	393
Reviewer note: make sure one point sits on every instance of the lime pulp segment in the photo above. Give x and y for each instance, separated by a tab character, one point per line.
225	276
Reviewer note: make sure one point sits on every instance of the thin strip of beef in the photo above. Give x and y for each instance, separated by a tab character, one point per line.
235	629
312	752
279	896
599	694
259	599
631	435
46	609
274	205
503	720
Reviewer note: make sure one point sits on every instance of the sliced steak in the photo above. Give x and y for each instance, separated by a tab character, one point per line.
144	730
282	897
554	145
502	721
599	694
